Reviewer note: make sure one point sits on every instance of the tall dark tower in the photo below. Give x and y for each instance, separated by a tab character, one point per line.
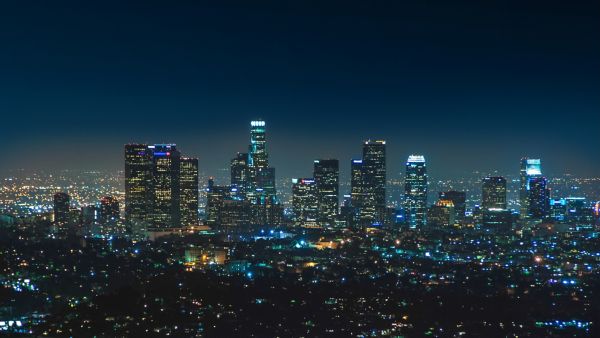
415	191
458	199
61	208
357	195
138	183
189	191
166	197
494	193
539	197
374	166
239	174
109	210
326	174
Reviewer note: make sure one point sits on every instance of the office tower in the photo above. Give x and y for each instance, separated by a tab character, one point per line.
326	175
239	174
530	168
494	193
215	197
258	157
261	192
441	214
415	191
347	211
539	197
374	176
458	199
61	208
265	182
558	209
138	183
166	194
109	210
305	202
234	213
497	220
357	195
188	182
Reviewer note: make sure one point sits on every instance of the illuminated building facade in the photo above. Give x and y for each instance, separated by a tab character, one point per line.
458	199
530	168
326	176
373	211
189	191
357	194
239	174
441	214
138	183
215	197
62	201
494	193
109	210
539	197
415	191
305	202
166	195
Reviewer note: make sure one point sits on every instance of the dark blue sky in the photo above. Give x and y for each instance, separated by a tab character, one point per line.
473	85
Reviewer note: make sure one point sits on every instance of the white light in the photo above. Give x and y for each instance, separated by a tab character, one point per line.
416	158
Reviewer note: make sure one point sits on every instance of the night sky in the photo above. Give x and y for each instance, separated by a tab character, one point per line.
472	85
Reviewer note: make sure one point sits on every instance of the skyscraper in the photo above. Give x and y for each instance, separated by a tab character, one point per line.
539	197
166	195
138	182
215	197
109	210
61	208
326	175
305	202
441	214
374	176
458	199
239	174
262	193
530	168
189	191
494	193
357	195
258	156
415	188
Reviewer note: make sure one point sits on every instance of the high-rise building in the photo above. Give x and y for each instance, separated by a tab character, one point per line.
61	208
415	191
166	194
326	175
258	156
189	190
458	199
497	220
305	202
374	176
261	191
441	214
530	168
138	183
539	197
109	210
215	197
239	174
494	193
357	194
